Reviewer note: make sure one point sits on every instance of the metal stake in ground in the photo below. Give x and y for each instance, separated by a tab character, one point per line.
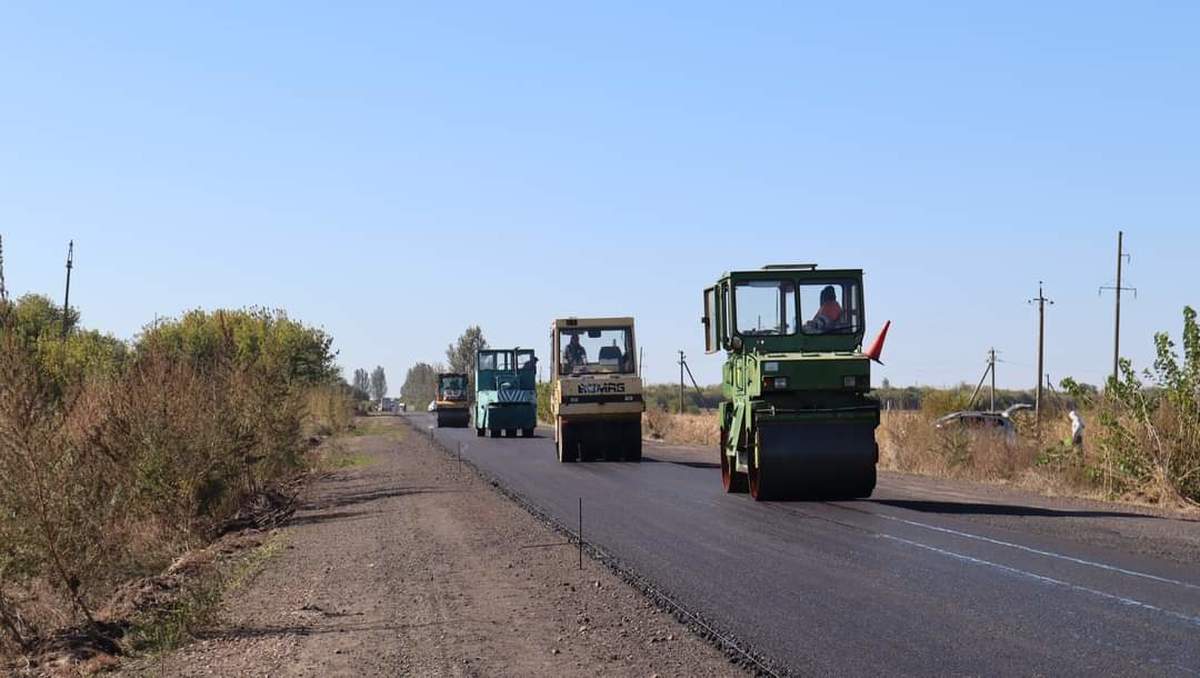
581	533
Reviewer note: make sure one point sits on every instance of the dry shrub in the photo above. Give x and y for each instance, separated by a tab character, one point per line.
682	429
328	409
1049	464
57	495
109	476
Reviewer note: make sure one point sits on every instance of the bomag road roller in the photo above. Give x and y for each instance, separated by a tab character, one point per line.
596	398
796	420
451	406
505	392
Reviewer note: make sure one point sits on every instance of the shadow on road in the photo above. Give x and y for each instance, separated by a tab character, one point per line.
689	464
958	508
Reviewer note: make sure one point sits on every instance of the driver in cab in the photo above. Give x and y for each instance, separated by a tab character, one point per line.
574	355
828	315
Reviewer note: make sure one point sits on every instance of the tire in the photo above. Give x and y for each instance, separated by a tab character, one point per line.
759	481
494	432
732	481
527	432
633	451
510	433
479	431
567	452
866	486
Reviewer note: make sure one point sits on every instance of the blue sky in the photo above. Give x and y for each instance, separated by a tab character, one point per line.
394	173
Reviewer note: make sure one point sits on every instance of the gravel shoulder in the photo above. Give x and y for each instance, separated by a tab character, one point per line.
411	565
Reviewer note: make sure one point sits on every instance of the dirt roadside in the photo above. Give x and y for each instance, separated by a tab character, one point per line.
408	566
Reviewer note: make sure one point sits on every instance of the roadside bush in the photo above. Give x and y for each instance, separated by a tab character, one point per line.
113	461
545	392
1148	438
701	429
57	496
329	409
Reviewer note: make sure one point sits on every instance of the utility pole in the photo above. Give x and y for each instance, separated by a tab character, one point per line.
681	358
992	369
67	295
1041	302
1121	258
989	370
3	289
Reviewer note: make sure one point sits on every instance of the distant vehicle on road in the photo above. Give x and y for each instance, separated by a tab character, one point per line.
451	406
505	392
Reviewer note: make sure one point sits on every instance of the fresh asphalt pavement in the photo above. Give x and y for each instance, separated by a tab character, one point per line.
882	586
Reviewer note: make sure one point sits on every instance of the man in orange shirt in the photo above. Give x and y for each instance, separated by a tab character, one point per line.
829	313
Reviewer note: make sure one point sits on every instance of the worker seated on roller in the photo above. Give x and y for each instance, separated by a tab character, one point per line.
574	355
828	315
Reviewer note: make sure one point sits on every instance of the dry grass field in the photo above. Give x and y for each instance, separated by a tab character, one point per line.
910	443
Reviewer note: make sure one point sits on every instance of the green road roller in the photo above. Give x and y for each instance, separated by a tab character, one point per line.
796	420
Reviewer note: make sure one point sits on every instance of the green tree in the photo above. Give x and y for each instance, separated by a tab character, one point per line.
460	355
361	384
300	354
420	386
378	384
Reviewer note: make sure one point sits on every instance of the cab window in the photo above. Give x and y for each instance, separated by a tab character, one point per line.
765	307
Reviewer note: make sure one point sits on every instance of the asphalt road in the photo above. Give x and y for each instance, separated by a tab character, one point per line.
922	579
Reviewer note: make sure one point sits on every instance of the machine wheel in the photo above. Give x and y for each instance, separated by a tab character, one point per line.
865	486
567	451
527	432
494	432
758	480
733	481
633	450
510	433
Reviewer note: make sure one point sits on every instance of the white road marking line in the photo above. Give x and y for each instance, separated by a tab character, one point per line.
1040	552
1195	621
